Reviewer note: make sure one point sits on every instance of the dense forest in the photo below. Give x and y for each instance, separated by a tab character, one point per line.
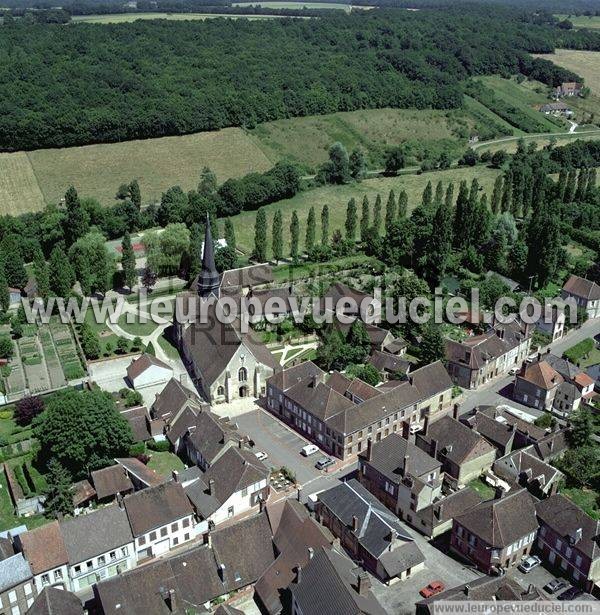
167	78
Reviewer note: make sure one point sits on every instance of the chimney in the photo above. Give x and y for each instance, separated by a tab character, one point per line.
369	450
211	486
222	572
405	467
240	443
298	574
363	583
392	539
467	588
299	494
439	510
313	381
434	448
354	523
261	504
455	412
539	356
172	602
209	539
425	426
311	552
120	500
175	475
498	493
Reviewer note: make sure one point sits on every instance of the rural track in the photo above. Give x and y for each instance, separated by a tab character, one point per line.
537	135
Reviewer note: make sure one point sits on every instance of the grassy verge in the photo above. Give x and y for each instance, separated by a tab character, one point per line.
164	463
482	488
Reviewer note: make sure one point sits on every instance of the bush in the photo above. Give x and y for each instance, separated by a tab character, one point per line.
133	398
27	409
6	347
139	448
579	351
162	446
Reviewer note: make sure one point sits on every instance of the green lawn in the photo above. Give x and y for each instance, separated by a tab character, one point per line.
288	273
168	348
140	329
164	463
585	499
592	359
8	519
337	197
482	488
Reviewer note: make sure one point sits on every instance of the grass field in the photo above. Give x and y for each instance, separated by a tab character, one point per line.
98	170
306	140
295	5
128	17
19	188
337	197
584	63
591	22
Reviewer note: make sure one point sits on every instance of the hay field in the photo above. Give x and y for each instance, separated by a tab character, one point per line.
19	188
98	170
592	22
337	197
584	63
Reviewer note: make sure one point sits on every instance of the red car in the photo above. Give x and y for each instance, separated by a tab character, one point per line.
435	587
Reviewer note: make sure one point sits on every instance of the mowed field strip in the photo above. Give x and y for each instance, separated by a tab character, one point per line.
19	188
98	170
337	197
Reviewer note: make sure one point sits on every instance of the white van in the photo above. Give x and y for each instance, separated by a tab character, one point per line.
309	449
414	427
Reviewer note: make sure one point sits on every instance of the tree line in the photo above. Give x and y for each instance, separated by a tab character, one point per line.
336	63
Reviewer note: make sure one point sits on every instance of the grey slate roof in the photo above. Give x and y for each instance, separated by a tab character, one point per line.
327	587
103	530
565	518
172	398
14	571
449	507
502	521
209	433
388	458
53	601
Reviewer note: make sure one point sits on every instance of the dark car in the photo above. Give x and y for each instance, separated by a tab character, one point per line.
571	594
555	586
323	463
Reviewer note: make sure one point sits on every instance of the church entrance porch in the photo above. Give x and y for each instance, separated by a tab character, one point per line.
243	391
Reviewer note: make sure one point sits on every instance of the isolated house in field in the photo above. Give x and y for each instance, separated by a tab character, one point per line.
369	531
585	292
568	88
556	108
497	533
148	371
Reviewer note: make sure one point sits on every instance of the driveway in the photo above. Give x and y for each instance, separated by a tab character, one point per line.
280	443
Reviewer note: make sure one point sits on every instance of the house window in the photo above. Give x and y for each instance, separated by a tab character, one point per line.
89	564
185	523
174	527
124	551
77	571
558	544
12	596
153	536
578	561
142	540
186	536
163	532
242	374
58	575
244	492
45	579
15	611
230	512
101	560
175	541
27	588
220	391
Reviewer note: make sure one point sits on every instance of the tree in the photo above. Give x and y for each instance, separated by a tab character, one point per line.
499	158
506	204
582	428
208	182
60	491
544	244
351	220
173	208
569	194
337	169
128	262
367	373
27	408
359	344
331	352
358	164
195	251
6	347
377	215
497	195
311	224
90	342
230	234
92	262
76	222
62	276
432	347
12	257
439	246
394	160
364	218
83	431
277	246
122	345
41	274
149	278
582	183
260	236
134	194
294	237
427	198
461	232
402	204
390	210
325	226
469	158
4	291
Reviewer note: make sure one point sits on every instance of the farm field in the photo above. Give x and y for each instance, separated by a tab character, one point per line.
305	140
584	63
128	17
19	188
294	5
591	22
337	197
98	170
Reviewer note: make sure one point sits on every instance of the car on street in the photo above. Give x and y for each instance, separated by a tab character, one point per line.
309	449
261	455
513	371
571	593
555	585
435	587
414	428
528	563
324	462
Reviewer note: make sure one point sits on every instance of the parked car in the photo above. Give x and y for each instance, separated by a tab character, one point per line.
555	586
309	449
513	371
571	593
531	358
435	587
529	562
324	462
414	427
261	455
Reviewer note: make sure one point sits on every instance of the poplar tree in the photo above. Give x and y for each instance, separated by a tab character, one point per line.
390	211
571	186
134	194
561	185
325	226
402	204
294	236
460	216
497	195
195	252
364	219
62	276
260	235
351	220
40	272
591	185
427	196
377	215
506	204
14	267
311	224
4	292
582	182
439	194
277	245
229	233
76	221
128	261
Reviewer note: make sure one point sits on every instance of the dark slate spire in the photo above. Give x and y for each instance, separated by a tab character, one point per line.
209	279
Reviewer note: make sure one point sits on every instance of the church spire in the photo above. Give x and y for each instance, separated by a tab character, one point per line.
209	279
